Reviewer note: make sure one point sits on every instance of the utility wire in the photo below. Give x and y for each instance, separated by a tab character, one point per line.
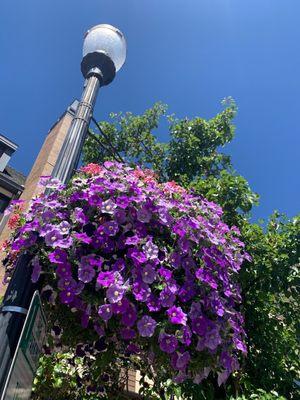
93	136
115	152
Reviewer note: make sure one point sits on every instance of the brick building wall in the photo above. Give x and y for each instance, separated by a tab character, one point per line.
42	166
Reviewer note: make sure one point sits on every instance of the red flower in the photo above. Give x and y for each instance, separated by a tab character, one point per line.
14	221
92	169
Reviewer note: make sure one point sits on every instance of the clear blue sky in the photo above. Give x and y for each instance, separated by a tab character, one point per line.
189	54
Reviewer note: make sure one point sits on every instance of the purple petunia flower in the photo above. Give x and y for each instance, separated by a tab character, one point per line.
67	283
167	298
58	256
199	325
106	279
115	293
137	256
127	333
120	216
99	330
213	339
182	360
119	265
135	239
108	207
141	291
82	237
80	216
143	215
121	306
108	246
110	228
240	345
146	326
176	315
86	274
105	312
129	318
165	273
122	201
206	277
64	270
153	303
53	238
64	227
67	296
185	335
175	260
168	343
187	292
151	250
198	378
148	273
65	243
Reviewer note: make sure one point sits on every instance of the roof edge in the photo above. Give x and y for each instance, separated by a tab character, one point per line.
70	110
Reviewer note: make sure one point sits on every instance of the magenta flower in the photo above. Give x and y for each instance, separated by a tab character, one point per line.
176	315
146	326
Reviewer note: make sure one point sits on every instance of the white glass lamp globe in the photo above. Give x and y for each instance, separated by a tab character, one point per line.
108	39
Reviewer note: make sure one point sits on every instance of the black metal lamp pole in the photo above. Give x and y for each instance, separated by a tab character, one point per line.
104	53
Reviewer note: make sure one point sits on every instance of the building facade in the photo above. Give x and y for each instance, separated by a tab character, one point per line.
11	181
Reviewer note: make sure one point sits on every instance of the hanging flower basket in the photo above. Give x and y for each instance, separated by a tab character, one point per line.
146	266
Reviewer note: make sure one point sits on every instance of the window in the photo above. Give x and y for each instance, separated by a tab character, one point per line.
4	202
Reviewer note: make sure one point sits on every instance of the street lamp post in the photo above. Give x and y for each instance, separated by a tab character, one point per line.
104	53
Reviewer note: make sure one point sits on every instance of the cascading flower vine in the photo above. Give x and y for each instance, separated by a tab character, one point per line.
147	266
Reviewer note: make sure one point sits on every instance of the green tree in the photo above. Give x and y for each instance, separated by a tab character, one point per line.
270	282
